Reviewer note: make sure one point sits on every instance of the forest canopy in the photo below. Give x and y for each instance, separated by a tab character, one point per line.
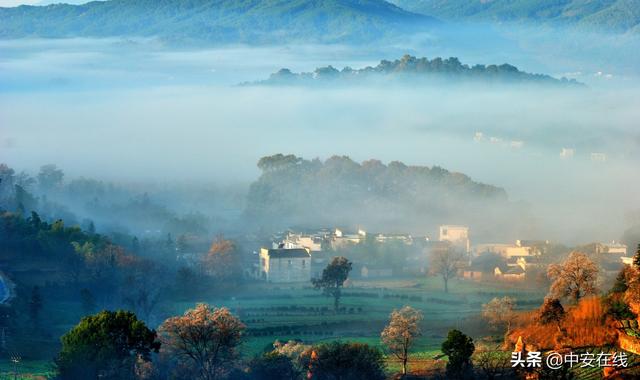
340	191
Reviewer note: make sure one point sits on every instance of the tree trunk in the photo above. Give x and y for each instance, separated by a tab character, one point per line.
405	356
446	284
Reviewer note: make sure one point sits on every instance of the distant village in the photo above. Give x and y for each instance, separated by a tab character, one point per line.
296	256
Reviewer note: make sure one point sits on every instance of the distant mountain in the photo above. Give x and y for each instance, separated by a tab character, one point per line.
414	69
245	21
612	15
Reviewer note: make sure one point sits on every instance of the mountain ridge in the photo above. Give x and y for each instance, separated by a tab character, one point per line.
243	21
610	15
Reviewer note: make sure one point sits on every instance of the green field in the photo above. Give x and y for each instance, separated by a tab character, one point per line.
285	312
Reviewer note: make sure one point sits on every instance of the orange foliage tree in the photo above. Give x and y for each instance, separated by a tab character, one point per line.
203	339
222	261
575	278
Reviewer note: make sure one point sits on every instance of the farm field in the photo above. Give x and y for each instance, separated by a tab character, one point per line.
296	311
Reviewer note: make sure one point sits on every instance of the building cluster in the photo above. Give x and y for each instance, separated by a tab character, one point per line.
296	256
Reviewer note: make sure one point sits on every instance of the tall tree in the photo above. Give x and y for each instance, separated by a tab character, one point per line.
636	258
445	262
551	311
49	177
333	278
575	278
401	332
223	261
204	339
499	312
459	348
105	345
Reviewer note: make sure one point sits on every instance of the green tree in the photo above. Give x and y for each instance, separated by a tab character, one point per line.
273	366
49	177
346	361
333	278
551	311
105	345
620	284
459	348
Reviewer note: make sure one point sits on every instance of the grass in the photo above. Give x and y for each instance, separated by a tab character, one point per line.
286	312
29	369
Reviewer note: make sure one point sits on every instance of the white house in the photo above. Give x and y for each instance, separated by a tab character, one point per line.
458	236
285	265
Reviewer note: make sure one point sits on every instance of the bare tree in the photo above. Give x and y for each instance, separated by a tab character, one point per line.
446	262
401	332
205	338
500	312
575	278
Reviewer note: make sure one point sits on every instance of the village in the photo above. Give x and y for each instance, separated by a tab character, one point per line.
297	257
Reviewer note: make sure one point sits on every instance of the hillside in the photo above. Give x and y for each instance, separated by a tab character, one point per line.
218	21
409	67
609	15
338	191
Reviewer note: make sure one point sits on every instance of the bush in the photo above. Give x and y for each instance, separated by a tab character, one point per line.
346	361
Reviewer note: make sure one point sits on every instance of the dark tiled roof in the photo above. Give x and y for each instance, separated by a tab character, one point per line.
282	253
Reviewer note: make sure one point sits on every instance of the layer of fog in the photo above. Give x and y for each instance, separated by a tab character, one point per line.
135	111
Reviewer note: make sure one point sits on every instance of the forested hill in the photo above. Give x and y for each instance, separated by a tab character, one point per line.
219	21
339	191
449	69
609	15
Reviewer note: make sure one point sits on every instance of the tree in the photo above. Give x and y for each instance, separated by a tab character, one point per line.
551	311
500	312
273	366
401	332
105	345
35	304
204	339
142	288
50	177
576	277
459	348
493	364
223	261
620	283
636	258
333	278
346	361
445	262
